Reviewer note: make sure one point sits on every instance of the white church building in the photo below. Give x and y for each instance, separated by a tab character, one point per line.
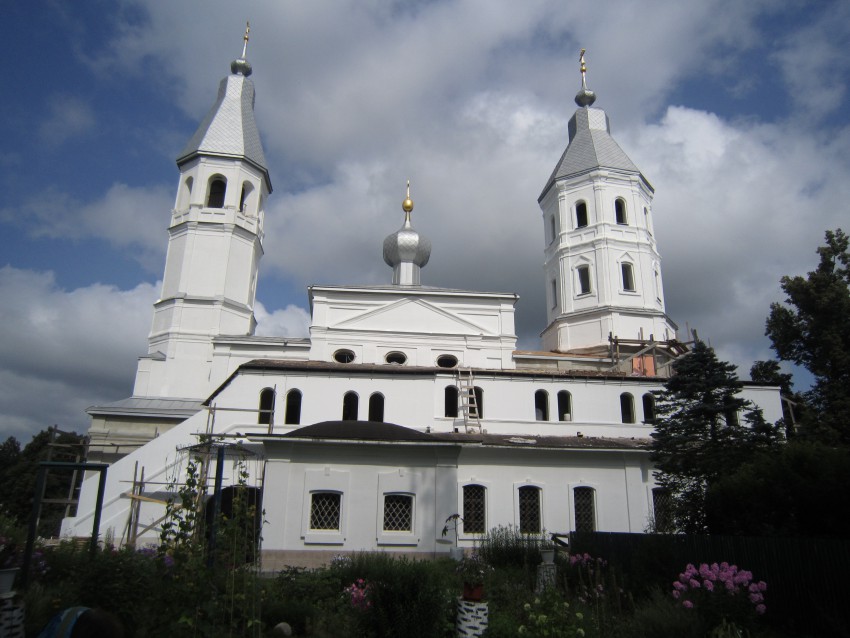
407	404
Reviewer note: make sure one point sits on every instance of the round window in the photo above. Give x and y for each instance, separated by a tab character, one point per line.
343	356
398	358
447	361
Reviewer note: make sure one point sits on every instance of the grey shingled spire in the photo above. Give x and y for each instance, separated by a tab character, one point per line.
229	129
591	146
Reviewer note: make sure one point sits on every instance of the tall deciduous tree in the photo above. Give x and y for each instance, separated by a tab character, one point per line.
814	332
705	429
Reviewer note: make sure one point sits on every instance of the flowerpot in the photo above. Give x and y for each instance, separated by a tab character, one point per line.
473	591
7	579
548	556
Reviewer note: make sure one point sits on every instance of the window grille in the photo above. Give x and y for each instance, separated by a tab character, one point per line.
662	510
529	510
325	509
584	509
474	517
398	513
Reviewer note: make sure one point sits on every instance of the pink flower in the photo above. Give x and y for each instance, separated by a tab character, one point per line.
709	586
676	594
679	586
694	583
753	587
760	609
756	598
688	604
762	585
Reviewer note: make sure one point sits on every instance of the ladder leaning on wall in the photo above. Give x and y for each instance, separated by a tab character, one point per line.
468	400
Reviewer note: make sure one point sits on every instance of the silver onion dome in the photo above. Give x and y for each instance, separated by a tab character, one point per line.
405	250
584	97
241	64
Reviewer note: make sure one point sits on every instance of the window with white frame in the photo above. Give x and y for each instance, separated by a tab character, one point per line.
627	408
628	277
581	215
620	211
325	511
474	509
529	509
293	407
583	273
398	513
584	509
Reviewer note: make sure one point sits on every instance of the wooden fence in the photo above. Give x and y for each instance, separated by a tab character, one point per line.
808	579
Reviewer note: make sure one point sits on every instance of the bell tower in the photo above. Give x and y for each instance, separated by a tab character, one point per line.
215	241
602	267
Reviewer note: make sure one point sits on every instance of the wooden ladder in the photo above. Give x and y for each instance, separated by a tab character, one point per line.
468	400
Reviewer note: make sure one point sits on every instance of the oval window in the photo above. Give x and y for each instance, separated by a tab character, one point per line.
343	356
398	358
447	361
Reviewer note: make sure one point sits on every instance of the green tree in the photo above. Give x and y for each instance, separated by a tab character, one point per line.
813	331
793	403
799	489
699	435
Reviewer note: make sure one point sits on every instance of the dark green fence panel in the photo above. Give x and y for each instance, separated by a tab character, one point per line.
808	579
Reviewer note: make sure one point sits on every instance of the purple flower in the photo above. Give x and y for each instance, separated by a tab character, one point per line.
709	586
676	594
762	585
760	609
679	586
688	604
694	583
756	598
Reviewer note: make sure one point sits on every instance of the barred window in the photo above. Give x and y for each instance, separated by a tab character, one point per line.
529	509
325	510
398	513
662	510
585	510
474	516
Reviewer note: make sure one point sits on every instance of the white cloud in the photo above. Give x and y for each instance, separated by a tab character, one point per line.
69	116
124	216
63	350
292	321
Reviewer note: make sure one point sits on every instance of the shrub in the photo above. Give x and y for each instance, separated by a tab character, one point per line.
506	546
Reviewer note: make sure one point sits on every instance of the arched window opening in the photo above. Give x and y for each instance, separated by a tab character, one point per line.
628	277
245	197
583	280
541	405
474	509
581	215
648	408
447	361
620	211
398	358
218	187
529	509
627	407
350	404
451	399
565	406
266	412
293	408
343	356
585	509
376	407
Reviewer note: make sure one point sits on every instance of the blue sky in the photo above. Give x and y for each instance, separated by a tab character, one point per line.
736	112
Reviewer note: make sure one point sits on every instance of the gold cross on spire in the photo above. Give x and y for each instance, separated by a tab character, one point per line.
245	38
582	67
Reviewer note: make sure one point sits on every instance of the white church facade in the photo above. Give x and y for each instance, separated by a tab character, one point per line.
407	404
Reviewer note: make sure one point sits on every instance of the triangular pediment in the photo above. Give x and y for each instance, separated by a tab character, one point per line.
420	316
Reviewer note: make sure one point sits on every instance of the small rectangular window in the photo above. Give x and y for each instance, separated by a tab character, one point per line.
325	508
662	509
584	280
398	513
628	277
553	228
554	293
